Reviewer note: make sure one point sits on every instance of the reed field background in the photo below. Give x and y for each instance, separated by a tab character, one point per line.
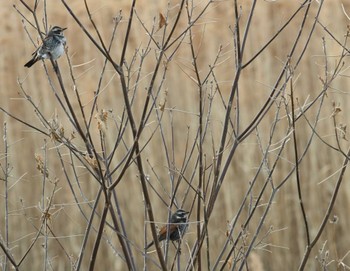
48	183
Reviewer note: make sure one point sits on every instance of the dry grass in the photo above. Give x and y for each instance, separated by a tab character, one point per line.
285	243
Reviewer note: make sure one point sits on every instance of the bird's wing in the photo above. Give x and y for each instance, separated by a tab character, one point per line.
44	49
163	231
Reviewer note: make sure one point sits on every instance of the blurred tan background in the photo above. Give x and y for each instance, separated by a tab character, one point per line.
285	245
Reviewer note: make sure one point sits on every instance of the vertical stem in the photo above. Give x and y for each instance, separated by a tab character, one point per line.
44	211
200	169
300	196
6	195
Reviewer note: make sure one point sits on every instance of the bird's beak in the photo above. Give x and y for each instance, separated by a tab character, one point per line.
64	28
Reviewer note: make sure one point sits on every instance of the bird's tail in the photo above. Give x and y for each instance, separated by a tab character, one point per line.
149	245
31	62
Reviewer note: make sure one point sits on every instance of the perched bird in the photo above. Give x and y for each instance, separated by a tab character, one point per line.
177	226
52	47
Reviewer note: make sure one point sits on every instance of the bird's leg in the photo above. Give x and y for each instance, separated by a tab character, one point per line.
55	66
178	247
